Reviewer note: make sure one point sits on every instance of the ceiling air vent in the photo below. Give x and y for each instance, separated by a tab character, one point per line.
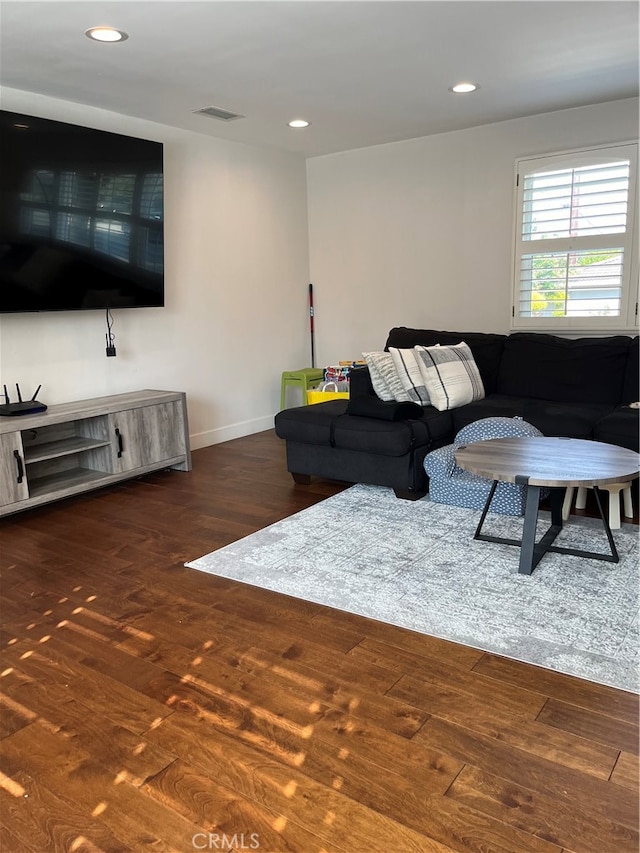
216	112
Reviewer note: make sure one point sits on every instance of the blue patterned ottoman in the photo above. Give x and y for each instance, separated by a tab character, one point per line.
449	484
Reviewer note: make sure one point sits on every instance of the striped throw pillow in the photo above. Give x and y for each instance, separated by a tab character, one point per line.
408	370
450	375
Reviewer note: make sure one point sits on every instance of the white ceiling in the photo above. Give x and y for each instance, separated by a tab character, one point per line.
363	72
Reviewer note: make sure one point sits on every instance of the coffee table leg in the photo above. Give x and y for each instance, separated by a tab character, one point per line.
492	491
607	527
531	552
527	548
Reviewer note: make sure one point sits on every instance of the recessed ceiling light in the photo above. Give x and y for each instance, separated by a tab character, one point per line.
106	34
299	122
463	88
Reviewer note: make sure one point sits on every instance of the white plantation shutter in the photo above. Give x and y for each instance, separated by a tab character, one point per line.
574	251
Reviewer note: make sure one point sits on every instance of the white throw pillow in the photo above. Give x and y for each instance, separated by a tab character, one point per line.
384	377
408	370
451	375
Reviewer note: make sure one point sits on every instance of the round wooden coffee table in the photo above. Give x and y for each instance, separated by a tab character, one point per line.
553	463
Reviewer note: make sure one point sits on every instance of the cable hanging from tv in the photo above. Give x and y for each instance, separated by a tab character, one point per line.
110	337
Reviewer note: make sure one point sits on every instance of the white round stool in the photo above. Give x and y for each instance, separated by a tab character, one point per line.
614	490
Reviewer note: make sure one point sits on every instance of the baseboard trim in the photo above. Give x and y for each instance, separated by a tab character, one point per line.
227	433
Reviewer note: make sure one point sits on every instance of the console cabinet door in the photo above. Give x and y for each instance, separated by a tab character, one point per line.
147	435
13	474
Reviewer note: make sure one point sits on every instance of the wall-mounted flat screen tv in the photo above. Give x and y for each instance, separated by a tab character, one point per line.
81	217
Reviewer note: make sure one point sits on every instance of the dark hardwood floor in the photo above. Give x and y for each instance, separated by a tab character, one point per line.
150	707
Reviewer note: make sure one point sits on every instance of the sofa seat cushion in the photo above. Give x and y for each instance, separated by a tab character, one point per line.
327	423
309	424
621	427
571	420
493	406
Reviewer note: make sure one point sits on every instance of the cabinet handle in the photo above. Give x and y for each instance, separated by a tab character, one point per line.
19	466
120	442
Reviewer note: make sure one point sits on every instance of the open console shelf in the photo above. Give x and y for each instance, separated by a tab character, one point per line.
64	447
76	447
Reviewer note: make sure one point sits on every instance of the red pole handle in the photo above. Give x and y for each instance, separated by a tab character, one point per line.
311	326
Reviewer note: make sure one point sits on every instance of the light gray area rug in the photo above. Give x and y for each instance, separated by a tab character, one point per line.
416	565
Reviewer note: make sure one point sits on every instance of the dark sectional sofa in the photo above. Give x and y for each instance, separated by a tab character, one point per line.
577	388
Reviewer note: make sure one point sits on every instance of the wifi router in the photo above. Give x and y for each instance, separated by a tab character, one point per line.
21	407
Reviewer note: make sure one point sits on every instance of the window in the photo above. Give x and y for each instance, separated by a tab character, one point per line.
575	248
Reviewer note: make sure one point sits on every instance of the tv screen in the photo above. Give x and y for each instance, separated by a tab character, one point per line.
81	217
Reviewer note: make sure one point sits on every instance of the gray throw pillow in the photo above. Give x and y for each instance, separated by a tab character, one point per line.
384	377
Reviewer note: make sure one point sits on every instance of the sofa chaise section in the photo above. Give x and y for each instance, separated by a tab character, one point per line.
324	441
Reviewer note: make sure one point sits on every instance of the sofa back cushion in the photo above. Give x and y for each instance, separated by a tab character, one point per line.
486	348
631	384
547	367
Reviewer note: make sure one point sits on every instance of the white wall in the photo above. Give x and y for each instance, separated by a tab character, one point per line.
236	279
419	233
